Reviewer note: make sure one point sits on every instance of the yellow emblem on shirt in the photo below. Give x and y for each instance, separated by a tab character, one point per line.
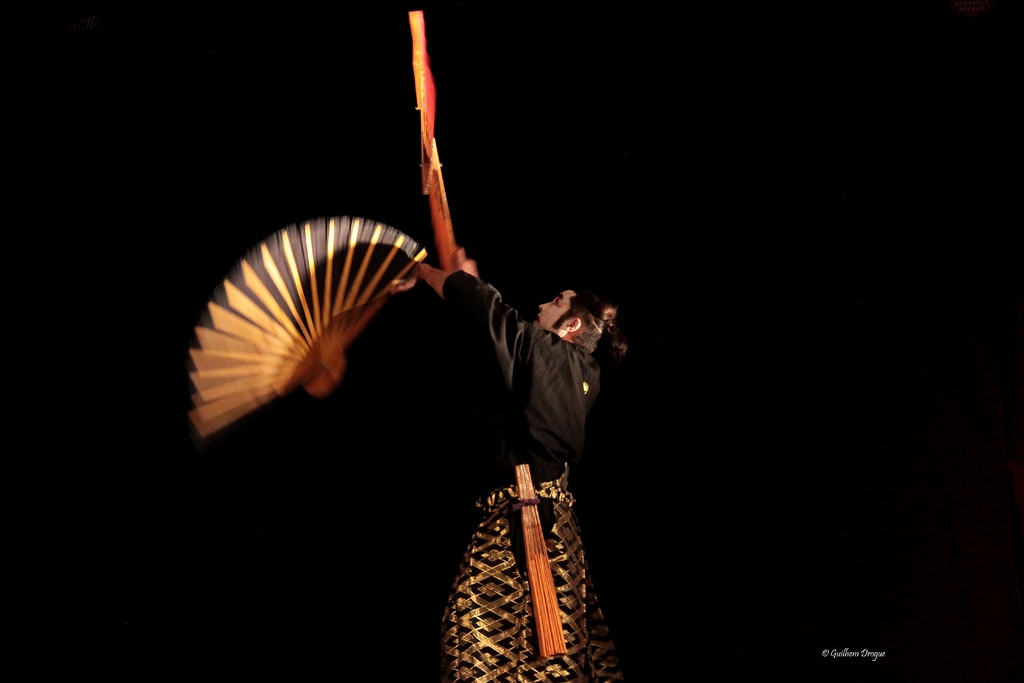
586	387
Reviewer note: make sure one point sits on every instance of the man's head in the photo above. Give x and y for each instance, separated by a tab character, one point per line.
553	317
567	315
579	317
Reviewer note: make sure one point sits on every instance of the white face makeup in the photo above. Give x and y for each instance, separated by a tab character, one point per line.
549	314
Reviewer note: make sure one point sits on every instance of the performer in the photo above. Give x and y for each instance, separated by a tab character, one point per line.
552	381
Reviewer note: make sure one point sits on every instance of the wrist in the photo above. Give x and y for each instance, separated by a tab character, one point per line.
433	277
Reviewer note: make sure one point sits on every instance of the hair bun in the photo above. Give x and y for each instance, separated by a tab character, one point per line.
602	335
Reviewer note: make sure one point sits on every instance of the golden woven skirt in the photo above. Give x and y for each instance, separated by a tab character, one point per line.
488	634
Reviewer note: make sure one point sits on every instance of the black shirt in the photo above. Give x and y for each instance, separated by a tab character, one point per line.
551	384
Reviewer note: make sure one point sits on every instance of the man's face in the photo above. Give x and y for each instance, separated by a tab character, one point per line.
551	312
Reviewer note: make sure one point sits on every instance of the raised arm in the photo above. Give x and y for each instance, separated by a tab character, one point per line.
481	306
435	277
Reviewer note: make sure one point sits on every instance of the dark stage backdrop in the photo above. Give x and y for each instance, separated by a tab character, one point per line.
809	214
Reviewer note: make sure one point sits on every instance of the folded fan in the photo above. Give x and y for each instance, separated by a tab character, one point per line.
430	163
285	316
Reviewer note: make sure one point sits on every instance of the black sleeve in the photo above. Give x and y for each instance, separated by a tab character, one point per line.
481	304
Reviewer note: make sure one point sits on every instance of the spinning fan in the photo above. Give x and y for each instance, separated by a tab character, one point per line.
285	316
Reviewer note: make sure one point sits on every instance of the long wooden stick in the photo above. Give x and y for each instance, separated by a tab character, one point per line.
433	182
426	94
546	615
444	234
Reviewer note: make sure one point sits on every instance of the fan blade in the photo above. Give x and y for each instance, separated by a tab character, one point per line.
248	308
330	272
343	283
214	364
275	276
294	268
230	323
311	261
362	267
211	389
256	286
218	343
208	418
370	288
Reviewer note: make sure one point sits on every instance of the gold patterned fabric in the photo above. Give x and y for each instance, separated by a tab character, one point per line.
488	633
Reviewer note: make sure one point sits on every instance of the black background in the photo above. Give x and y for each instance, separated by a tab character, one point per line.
810	215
